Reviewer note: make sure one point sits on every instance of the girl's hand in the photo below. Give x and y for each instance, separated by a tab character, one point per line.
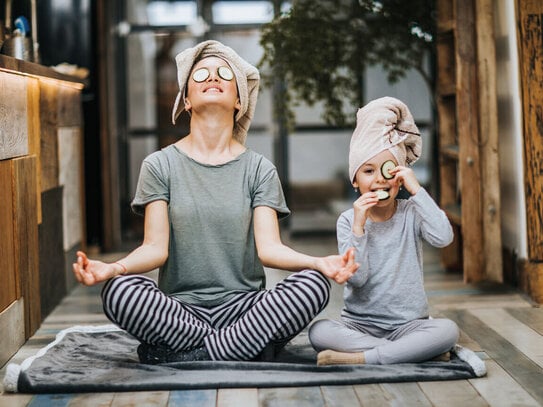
361	207
406	176
91	272
339	268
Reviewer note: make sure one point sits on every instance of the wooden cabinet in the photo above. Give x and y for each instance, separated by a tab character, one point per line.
468	138
40	152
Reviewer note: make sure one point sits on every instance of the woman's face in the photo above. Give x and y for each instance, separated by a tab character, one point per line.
369	177
211	82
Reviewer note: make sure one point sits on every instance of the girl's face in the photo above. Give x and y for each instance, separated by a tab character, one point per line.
218	87
369	178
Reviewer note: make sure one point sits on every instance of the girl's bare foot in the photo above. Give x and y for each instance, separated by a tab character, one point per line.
331	357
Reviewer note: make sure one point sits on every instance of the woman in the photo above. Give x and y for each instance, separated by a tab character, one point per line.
211	210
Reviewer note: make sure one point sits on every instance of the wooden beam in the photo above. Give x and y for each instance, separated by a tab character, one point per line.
531	279
468	141
531	61
488	127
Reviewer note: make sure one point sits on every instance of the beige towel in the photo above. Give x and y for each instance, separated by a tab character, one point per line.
247	78
384	124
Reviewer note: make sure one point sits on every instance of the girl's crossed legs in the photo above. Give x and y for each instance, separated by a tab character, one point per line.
415	341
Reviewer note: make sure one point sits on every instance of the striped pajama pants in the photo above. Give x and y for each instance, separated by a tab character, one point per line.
239	329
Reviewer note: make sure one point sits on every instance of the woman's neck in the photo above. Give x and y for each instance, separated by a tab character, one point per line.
211	141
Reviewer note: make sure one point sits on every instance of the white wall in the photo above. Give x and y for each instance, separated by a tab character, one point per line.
511	140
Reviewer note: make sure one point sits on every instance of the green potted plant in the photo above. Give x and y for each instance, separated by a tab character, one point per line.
318	51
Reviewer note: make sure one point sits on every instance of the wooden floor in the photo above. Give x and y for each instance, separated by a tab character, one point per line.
499	323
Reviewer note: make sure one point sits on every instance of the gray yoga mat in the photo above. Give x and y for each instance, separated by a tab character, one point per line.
104	359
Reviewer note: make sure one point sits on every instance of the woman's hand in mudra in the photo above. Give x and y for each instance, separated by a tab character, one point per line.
91	272
338	267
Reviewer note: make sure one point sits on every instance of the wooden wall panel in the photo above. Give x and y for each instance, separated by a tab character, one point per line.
70	144
48	133
33	97
51	257
9	288
13	118
12	321
26	239
69	107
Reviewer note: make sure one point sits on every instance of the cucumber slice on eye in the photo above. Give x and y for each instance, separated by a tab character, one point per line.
382	195
386	167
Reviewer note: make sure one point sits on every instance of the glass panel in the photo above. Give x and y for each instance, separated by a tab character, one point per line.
242	12
171	12
161	12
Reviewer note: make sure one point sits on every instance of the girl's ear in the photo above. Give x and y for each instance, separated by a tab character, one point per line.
355	184
188	106
237	106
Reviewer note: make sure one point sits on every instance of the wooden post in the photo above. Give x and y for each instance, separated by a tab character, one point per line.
530	14
468	141
488	127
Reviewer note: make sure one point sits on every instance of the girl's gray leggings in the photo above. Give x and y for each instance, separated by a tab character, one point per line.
415	341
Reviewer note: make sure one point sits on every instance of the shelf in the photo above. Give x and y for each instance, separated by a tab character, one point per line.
450	151
22	67
445	27
448	90
454	213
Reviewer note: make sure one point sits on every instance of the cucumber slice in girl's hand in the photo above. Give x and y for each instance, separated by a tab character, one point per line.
382	194
386	167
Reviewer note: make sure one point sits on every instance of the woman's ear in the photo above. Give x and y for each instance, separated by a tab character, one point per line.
237	105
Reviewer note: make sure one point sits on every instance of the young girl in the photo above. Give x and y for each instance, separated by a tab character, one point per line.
385	318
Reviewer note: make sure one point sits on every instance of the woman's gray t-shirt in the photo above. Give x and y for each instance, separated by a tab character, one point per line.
212	251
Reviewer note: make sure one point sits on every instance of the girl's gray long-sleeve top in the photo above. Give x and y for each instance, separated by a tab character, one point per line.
388	288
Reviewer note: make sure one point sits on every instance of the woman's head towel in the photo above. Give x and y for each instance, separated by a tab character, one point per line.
247	79
384	124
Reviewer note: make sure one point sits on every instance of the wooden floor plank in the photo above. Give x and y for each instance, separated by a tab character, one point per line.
50	400
141	399
463	302
200	398
523	370
499	389
372	395
15	400
339	396
533	317
512	377
454	393
237	398
518	334
291	397
92	400
406	394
